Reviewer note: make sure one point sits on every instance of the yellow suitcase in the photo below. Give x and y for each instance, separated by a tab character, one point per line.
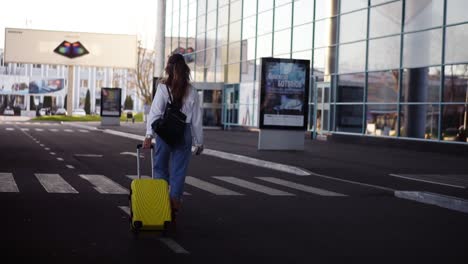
150	207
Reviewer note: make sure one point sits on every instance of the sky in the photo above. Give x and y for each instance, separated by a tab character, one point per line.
134	17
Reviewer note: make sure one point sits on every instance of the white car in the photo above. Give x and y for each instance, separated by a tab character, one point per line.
8	111
61	111
79	112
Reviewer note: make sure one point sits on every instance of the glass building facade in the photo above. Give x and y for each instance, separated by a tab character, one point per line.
380	68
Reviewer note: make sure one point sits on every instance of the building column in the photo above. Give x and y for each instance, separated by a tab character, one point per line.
330	63
92	88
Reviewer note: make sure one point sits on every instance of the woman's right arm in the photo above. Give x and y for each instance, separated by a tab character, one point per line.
156	111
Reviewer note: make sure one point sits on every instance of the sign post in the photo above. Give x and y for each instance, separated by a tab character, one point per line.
283	104
110	106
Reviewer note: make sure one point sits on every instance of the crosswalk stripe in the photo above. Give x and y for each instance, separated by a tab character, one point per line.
300	187
7	183
68	130
25	129
102	184
253	186
53	129
83	130
209	187
54	183
133	177
39	129
9	129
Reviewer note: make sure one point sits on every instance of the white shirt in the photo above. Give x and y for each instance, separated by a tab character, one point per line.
191	108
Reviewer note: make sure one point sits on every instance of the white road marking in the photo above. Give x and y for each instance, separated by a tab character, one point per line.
9	129
53	130
54	183
102	184
25	129
39	129
300	187
89	155
52	153
70	166
253	186
68	130
60	159
47	148
42	145
427	181
84	131
209	187
132	154
448	202
7	182
170	243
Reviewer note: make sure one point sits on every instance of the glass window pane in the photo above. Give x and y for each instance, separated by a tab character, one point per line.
349	118
385	20
456	83
422	48
454	122
352	57
201	42
282	44
192	28
223	15
250	8
376	2
281	2
320	56
233	73
423	14
184	13
223	2
220	73
323	9
384	53
265	22
211	39
234	52
211	20
221	55
456	11
353	26
303	55
264	5
322	31
210	58
192	10
249	27
350	5
201	24
419	121
212	4
222	35
248	49
248	71
302	37
201	7
283	17
210	74
382	120
421	85
382	87
264	46
456	37
303	11
235	31
351	88
236	11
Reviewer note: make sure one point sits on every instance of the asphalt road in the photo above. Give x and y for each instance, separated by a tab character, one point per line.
223	220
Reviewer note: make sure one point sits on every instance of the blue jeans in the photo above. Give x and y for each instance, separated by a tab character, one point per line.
178	157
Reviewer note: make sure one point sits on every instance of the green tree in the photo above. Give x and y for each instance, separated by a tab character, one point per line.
87	106
128	104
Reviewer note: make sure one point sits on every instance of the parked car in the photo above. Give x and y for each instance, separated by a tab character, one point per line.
79	112
8	111
61	111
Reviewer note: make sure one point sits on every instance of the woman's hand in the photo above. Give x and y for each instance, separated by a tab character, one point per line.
147	142
198	149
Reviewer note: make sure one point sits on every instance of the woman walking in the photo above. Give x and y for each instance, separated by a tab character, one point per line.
171	163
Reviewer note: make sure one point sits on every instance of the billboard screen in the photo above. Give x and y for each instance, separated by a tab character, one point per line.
110	102
23	85
70	48
284	93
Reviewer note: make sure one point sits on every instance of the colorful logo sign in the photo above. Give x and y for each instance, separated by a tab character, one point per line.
71	50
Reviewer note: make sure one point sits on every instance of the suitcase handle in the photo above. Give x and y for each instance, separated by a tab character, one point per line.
139	146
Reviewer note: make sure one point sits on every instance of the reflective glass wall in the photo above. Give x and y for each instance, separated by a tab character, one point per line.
380	68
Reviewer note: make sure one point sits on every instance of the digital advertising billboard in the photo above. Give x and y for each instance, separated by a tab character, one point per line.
284	94
110	102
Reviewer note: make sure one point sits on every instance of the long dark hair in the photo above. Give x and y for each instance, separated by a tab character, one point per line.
177	77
